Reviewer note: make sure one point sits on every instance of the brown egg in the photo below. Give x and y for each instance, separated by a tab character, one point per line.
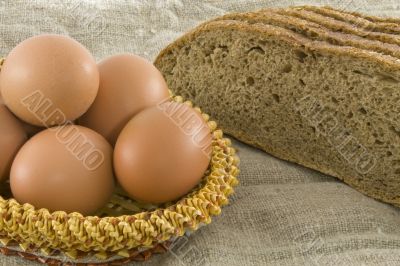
12	137
162	153
49	79
30	130
128	84
66	168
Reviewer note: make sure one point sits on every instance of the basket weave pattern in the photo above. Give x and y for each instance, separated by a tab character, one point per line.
124	225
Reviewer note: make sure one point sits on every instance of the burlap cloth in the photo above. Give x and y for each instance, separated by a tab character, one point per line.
282	214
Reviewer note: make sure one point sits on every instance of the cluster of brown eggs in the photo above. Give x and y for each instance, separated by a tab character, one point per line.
71	128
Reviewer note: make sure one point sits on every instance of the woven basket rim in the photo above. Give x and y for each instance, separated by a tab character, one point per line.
51	261
39	229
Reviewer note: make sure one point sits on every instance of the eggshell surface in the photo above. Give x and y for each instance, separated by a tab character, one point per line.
66	168
49	79
162	153
12	137
30	130
128	84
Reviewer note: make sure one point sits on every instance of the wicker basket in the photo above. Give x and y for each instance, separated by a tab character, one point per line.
124	230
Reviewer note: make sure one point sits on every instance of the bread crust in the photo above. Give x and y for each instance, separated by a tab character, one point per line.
314	31
377	25
388	62
340	26
368	17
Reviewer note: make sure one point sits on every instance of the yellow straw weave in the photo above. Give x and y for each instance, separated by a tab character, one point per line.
126	224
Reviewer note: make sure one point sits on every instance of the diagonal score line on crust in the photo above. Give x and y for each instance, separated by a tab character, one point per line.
289	37
314	31
340	26
354	19
368	17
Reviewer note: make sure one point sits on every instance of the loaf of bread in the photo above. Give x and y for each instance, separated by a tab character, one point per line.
312	85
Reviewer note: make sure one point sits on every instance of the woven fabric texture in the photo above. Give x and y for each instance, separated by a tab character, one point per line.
281	214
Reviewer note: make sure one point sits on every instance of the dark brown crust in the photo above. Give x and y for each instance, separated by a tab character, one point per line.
340	26
388	62
136	256
368	17
358	20
314	31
